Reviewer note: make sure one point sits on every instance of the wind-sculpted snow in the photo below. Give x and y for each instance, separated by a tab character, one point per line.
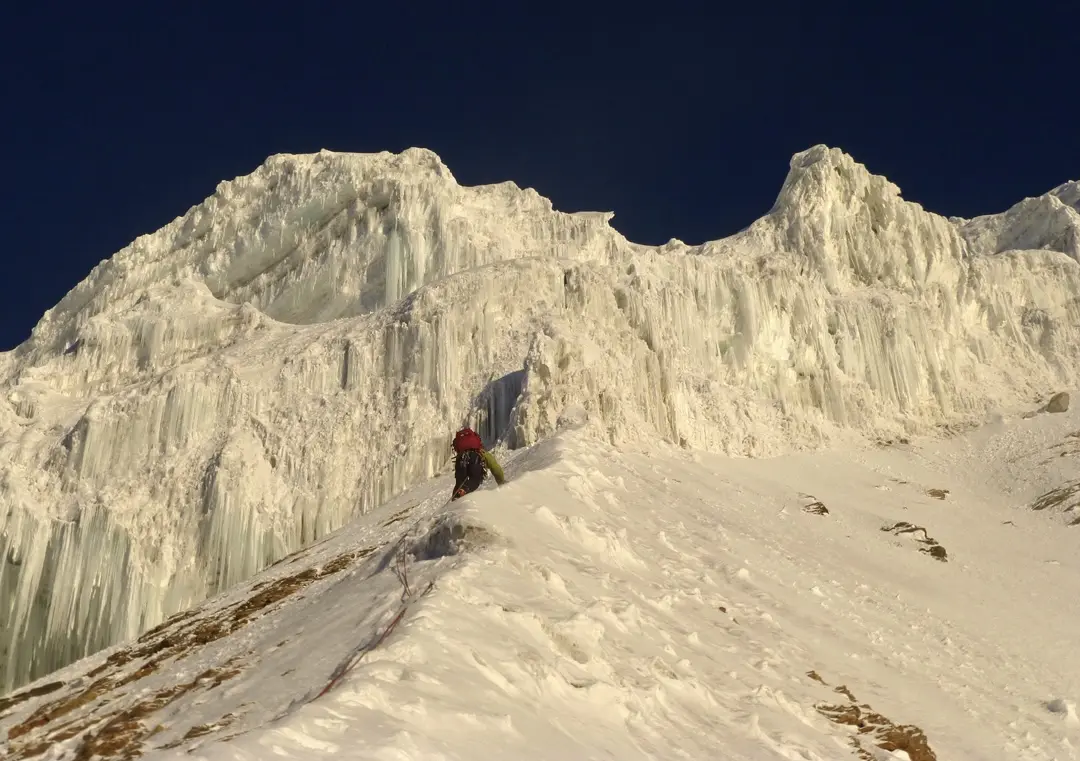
631	606
308	239
298	349
1049	222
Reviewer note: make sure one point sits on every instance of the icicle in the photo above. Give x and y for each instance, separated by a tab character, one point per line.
299	347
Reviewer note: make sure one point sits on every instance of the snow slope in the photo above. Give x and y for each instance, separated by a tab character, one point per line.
297	349
613	603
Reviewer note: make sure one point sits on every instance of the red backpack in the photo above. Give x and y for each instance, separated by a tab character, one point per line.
467	439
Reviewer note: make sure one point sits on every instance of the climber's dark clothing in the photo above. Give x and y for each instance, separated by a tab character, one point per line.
470	469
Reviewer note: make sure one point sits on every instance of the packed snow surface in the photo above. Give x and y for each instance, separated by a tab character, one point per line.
624	603
297	349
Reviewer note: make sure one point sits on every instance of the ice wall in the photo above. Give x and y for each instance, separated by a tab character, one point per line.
299	347
303	239
1050	222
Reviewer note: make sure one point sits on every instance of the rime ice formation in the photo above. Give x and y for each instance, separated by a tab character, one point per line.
298	347
1051	222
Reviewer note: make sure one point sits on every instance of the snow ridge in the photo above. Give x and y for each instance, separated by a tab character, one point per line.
610	604
297	348
1050	222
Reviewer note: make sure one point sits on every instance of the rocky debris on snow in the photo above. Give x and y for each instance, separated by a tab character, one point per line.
1064	708
927	543
1059	402
873	728
123	733
1066	497
1070	447
399	516
201	730
35	692
815	506
893	442
107	706
880	731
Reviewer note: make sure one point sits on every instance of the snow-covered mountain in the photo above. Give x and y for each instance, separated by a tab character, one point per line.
296	350
893	602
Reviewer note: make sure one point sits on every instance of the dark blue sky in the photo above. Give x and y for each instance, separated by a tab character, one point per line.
678	119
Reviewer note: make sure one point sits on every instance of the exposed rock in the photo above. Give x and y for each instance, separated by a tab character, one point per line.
874	729
14	700
1062	707
817	507
112	704
893	442
1059	402
928	544
1065	497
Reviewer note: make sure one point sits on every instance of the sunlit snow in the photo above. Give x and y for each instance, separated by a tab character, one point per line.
296	350
631	604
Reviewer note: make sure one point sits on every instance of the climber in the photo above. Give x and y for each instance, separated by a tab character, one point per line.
472	463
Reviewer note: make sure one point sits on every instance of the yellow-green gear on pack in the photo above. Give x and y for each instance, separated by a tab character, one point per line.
493	466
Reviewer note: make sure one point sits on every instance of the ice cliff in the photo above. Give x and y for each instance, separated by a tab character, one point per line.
299	347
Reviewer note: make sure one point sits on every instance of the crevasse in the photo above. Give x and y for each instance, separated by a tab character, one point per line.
298	348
